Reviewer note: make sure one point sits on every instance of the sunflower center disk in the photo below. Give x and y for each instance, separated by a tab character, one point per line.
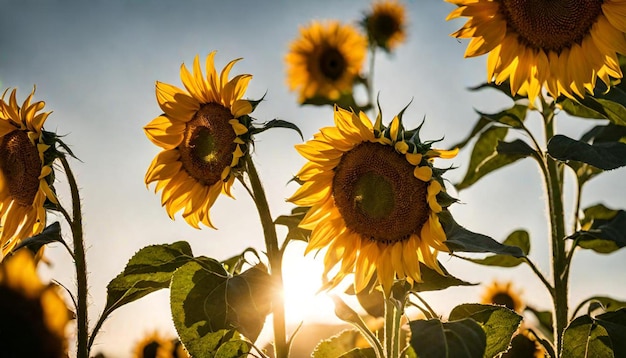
377	194
383	26
208	146
504	300
551	25
332	63
21	166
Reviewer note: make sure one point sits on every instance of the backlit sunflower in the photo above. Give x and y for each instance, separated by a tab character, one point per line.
503	295
24	177
325	60
385	24
154	345
563	45
373	197
33	316
203	133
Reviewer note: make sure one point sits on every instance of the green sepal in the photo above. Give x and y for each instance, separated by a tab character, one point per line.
518	238
205	299
602	336
52	233
276	123
434	339
499	324
607	232
149	270
462	240
604	155
292	221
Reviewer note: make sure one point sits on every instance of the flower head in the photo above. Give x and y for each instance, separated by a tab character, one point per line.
373	197
25	174
325	60
33	316
154	345
564	45
203	133
385	24
503	294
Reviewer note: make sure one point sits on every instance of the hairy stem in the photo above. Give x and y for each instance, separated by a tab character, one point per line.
281	347
76	224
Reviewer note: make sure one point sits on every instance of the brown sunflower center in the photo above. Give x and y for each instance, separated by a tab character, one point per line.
332	64
522	346
551	25
504	299
151	349
208	144
383	26
24	333
21	166
377	194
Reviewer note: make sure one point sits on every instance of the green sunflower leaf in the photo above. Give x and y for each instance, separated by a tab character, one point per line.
503	87
276	123
485	157
52	233
292	221
359	353
499	324
545	320
235	263
607	231
149	270
205	299
433	339
518	238
433	281
462	240
516	147
604	155
606	304
602	336
338	345
604	104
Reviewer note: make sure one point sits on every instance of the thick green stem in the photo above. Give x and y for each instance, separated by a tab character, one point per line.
281	347
391	331
554	184
76	224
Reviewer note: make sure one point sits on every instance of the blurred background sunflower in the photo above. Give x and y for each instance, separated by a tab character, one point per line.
385	24
325	60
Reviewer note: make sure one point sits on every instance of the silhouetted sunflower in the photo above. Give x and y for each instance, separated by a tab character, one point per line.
203	133
24	178
563	45
33	316
373	197
325	60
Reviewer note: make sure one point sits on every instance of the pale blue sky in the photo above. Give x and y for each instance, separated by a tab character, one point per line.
95	64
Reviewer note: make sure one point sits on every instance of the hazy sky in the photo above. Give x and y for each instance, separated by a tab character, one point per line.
95	64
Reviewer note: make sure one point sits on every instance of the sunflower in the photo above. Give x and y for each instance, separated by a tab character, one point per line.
503	295
385	24
373	197
33	316
325	60
153	345
525	345
564	45
24	177
203	133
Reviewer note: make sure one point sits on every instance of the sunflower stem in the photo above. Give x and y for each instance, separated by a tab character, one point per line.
76	225
392	329
281	348
554	186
